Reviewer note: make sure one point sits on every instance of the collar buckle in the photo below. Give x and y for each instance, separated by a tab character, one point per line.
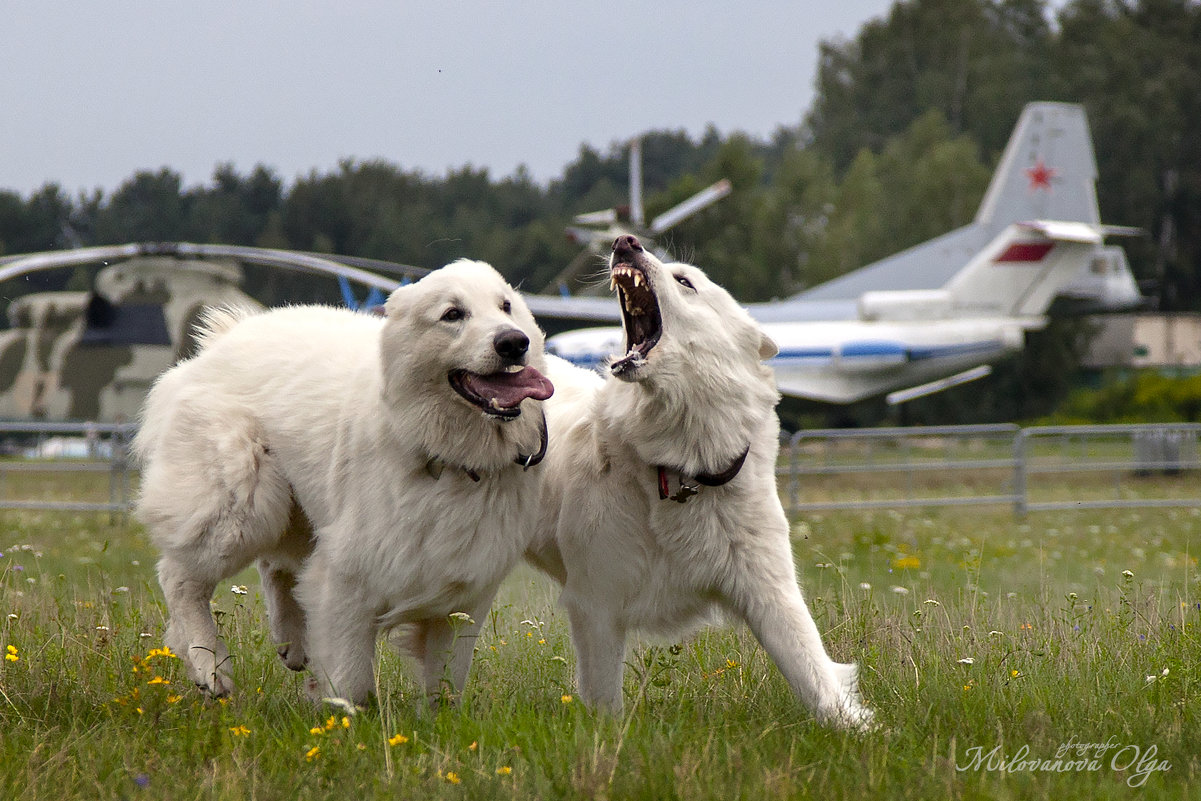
690	488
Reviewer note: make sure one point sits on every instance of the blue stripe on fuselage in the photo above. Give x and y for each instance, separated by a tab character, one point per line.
851	352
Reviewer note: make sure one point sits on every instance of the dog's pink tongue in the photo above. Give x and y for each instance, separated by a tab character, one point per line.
510	389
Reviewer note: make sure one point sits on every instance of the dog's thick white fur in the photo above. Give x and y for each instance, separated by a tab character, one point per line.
690	397
368	465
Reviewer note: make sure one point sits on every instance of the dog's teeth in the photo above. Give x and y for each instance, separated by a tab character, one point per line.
612	282
638	279
494	403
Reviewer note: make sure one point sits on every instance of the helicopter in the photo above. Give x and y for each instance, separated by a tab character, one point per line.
92	355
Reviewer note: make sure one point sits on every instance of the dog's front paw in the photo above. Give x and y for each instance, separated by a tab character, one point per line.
210	672
851	716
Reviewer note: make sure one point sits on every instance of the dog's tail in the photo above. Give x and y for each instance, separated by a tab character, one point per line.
216	320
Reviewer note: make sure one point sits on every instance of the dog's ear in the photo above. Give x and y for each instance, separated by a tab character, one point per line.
767	347
399	300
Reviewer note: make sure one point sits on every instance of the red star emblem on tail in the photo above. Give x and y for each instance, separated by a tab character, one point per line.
1040	175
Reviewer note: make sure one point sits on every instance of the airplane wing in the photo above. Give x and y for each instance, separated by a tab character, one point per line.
584	310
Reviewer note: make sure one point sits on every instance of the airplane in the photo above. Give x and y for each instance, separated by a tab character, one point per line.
917	322
942	312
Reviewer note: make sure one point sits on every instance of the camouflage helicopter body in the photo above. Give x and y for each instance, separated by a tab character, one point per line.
93	355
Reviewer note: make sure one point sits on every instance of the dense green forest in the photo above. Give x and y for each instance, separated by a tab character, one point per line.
909	118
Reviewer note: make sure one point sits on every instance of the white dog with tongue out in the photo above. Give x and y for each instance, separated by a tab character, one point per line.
660	503
380	471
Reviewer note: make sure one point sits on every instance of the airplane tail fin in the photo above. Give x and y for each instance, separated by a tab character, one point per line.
1022	269
1047	172
1042	223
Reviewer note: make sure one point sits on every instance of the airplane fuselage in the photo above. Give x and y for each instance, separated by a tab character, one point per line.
846	361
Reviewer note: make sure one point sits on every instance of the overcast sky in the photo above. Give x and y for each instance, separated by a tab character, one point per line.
93	90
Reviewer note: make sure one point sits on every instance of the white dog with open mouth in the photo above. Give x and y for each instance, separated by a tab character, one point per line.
388	457
660	502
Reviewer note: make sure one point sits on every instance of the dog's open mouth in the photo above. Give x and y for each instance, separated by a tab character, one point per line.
500	394
640	317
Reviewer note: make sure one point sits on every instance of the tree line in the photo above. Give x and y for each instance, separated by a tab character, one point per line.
908	120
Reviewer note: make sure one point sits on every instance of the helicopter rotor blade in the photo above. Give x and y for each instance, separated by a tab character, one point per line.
692	205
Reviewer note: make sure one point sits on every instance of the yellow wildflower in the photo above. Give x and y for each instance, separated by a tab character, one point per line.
474	746
312	753
453	777
239	731
397	739
567	699
158	680
504	770
907	562
316	730
12	656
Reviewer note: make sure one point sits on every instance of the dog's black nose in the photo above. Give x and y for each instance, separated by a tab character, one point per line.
511	345
626	246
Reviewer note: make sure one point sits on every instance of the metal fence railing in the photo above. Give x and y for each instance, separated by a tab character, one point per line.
82	467
86	467
1031	469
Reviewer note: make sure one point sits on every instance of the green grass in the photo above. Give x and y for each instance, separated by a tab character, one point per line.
1061	643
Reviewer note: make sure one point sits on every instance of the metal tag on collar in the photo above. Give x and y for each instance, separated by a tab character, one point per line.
686	491
682	495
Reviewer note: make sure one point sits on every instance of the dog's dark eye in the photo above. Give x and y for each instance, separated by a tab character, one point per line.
684	282
506	307
453	314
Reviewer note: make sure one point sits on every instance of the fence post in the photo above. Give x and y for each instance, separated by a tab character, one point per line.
794	491
118	479
1019	474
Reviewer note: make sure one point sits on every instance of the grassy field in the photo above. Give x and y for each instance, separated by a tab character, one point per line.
1055	657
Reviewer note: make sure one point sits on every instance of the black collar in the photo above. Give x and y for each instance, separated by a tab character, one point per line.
687	490
435	466
527	462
